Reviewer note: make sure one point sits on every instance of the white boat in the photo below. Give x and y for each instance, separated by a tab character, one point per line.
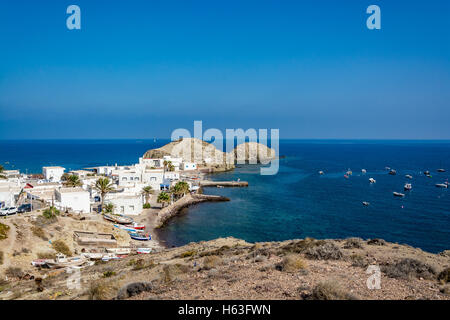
143	250
363	170
440	170
93	255
61	261
365	203
122	227
408	186
408	176
321	172
119	251
372	180
442	185
398	194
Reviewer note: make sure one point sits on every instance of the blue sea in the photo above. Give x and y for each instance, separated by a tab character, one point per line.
297	202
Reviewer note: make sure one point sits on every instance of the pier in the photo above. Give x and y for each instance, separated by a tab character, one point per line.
207	183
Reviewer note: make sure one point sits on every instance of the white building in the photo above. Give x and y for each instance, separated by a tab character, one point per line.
129	177
126	204
153	178
53	174
188	166
75	199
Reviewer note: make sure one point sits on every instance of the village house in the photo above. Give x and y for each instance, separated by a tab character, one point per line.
74	199
53	174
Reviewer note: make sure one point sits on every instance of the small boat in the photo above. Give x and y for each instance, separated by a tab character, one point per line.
140	237
440	170
365	203
61	261
398	194
407	186
110	256
392	172
387	168
442	185
363	170
321	172
135	226
408	176
372	180
345	176
349	172
93	255
126	228
118	218
119	251
143	250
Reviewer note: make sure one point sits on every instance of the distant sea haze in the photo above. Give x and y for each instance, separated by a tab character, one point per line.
297	202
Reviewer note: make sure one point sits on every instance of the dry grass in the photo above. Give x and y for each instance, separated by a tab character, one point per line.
62	247
291	263
172	271
39	232
211	261
102	290
14	272
1	257
330	290
353	243
140	264
301	246
46	255
444	276
189	253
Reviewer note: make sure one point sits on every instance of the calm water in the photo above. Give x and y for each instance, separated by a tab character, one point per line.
296	202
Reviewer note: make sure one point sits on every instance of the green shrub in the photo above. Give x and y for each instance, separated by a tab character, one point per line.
39	232
14	272
326	251
51	213
409	268
4	229
1	258
147	206
188	254
108	274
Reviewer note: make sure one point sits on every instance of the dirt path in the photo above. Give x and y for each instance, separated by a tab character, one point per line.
7	245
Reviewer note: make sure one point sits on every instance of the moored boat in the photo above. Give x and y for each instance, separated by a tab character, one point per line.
363	170
398	194
408	186
408	176
392	172
365	203
440	170
372	180
442	185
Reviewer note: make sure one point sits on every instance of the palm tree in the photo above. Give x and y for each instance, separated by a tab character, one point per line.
146	192
73	181
181	188
170	166
163	198
1	168
103	186
165	163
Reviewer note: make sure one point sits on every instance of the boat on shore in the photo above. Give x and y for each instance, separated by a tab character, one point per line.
136	226
124	227
140	236
119	251
118	218
398	194
143	250
61	261
407	186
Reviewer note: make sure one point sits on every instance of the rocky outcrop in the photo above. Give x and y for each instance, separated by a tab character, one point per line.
253	152
204	153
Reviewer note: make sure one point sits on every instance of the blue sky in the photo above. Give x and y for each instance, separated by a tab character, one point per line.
140	69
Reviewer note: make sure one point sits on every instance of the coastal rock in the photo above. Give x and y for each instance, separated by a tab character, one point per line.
253	152
192	150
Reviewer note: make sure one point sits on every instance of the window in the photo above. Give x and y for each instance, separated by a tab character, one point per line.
124	179
132	208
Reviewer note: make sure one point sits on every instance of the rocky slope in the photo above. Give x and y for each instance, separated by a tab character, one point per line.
229	268
202	152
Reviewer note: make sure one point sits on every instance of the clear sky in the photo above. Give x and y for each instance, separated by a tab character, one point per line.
139	69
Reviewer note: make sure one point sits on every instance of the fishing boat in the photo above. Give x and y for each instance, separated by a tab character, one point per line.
93	255
407	186
135	226
321	172
440	170
365	203
119	251
398	194
392	172
143	250
110	256
140	236
126	228
363	170
118	218
408	176
349	172
61	261
442	185
372	180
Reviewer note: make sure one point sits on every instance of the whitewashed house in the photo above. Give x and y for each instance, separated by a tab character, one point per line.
188	166
126	204
53	174
153	178
129	177
75	199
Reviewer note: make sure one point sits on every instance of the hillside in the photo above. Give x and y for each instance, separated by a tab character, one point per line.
229	268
